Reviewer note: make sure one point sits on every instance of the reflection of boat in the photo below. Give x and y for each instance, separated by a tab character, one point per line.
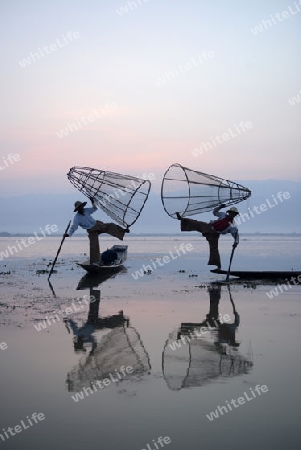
92	280
200	353
260	275
113	266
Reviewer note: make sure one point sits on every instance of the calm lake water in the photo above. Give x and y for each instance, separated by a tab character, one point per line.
74	372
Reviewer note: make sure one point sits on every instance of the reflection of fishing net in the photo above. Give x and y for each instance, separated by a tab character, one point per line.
122	197
189	192
198	363
120	347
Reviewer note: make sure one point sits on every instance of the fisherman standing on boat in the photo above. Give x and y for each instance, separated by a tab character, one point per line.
84	219
212	230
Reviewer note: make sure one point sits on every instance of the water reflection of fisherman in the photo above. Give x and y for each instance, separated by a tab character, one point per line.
204	358
226	334
225	331
84	336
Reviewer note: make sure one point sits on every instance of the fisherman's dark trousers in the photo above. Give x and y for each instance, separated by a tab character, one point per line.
99	228
209	233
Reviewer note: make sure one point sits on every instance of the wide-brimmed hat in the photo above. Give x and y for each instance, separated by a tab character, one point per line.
78	204
233	209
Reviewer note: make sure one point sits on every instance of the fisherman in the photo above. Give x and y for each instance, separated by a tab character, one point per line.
212	230
94	227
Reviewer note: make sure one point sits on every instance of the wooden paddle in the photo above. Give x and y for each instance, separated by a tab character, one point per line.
58	252
231	257
231	299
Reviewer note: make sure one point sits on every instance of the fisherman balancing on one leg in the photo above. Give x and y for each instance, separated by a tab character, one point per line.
212	230
84	219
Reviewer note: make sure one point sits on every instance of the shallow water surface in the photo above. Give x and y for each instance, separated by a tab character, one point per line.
191	348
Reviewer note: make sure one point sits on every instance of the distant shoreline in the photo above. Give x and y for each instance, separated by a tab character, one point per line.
292	234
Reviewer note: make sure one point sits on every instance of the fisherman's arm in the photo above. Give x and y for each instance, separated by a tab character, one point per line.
235	234
73	228
73	326
90	210
217	209
94	207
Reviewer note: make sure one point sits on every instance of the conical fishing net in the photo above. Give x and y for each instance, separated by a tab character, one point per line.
120	347
122	197
190	192
199	362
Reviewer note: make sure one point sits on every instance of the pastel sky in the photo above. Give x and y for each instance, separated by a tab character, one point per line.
115	64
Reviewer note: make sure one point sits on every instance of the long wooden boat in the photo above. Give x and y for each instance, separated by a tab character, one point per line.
261	275
100	267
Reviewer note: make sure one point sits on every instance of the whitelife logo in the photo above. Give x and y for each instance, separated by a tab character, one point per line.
295	100
11	250
279	288
46	50
3	346
281	196
147	269
241	401
198	334
85	120
128	189
103	383
220	139
129	6
51	319
36	417
9	160
161	440
269	23
183	68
